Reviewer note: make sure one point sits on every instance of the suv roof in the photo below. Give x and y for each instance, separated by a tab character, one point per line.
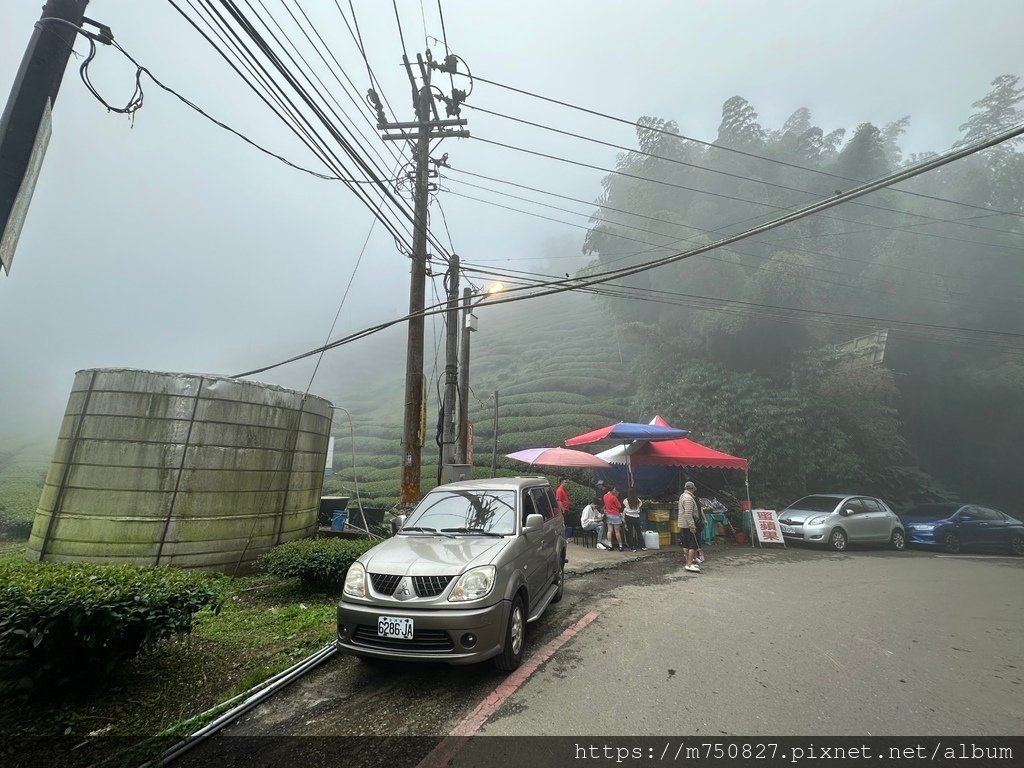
496	483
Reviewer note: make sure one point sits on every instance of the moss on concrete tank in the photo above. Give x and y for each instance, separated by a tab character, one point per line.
180	469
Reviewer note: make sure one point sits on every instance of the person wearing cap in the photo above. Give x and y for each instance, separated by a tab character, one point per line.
688	512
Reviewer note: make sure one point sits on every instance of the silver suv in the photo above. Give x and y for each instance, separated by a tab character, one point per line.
473	563
839	519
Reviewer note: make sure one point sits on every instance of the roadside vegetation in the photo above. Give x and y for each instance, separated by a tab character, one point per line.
264	625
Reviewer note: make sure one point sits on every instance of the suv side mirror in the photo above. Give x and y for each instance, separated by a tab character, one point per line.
533	523
397	522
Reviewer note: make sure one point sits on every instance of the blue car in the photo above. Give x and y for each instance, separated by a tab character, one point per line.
958	527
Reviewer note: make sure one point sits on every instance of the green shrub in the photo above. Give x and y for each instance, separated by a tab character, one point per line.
64	623
317	563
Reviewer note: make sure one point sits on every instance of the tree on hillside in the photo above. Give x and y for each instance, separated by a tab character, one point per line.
864	156
739	128
996	111
891	140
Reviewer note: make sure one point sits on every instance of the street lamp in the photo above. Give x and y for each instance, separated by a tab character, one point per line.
469	324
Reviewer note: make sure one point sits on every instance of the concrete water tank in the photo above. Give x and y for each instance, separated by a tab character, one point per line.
186	470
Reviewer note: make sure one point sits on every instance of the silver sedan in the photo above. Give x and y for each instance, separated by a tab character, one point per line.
837	519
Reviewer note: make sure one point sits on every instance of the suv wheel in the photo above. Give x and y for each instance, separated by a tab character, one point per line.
560	582
898	540
511	655
837	539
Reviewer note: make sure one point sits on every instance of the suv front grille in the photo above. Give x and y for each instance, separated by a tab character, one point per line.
430	586
384	583
423	640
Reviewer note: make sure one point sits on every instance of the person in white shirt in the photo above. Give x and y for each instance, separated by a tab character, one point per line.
592	519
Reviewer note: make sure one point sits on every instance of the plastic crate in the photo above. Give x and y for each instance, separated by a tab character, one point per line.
674	526
658	515
665	539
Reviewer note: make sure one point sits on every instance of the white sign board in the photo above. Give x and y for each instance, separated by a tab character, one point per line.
765	526
16	220
329	464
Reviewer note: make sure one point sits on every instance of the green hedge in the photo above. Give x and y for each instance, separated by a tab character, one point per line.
317	563
64	623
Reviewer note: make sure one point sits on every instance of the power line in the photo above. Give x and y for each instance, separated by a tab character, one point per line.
405	51
299	124
884	285
731	197
740	177
571	284
732	150
387	199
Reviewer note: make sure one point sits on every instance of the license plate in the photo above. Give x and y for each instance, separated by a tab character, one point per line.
786	528
390	626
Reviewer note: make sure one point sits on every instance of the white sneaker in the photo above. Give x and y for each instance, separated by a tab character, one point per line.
699	560
601	546
692	568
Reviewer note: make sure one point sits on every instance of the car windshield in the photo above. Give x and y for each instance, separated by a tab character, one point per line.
469	512
815	503
931	511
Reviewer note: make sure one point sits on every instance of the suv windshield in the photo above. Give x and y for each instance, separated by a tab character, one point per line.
465	512
816	503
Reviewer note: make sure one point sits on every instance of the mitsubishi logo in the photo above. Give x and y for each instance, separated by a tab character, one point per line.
405	590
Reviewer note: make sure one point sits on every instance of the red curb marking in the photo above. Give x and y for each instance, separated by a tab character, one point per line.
450	745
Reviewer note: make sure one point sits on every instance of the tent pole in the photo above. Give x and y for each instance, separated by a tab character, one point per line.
750	507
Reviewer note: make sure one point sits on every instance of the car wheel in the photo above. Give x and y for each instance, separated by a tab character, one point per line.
951	543
560	582
511	655
898	540
837	539
1017	545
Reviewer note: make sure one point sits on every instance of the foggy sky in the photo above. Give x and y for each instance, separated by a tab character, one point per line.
167	243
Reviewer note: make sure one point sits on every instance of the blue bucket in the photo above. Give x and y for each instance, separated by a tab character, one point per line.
338	520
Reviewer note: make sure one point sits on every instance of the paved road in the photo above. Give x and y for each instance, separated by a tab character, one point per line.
798	642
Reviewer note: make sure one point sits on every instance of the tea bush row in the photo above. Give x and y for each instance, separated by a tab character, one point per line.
318	564
63	623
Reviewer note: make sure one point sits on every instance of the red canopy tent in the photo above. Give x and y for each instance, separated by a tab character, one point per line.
682	452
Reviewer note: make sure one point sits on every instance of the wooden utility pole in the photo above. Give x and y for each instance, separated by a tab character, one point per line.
494	441
427	126
462	447
448	426
25	124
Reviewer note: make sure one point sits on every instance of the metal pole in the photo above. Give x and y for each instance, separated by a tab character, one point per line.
411	438
448	431
494	443
33	93
462	447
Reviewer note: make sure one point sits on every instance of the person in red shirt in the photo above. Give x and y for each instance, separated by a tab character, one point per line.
562	496
613	519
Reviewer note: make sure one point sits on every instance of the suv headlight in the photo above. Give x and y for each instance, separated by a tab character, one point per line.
355	580
818	519
473	584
